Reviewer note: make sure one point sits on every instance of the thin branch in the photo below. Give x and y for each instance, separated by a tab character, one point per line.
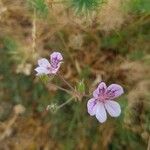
61	77
65	103
34	31
58	87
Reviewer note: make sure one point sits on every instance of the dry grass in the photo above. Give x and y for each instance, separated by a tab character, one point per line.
80	41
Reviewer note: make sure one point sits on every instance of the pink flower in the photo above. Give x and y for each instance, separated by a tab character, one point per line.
46	67
103	100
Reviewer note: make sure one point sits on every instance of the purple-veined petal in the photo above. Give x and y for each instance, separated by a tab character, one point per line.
91	106
56	56
41	70
55	69
102	85
114	90
100	89
56	60
101	112
113	108
43	63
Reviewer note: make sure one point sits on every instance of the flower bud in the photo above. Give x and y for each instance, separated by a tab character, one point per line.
52	108
81	87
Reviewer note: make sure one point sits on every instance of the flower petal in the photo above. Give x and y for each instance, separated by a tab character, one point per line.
41	70
91	106
114	90
100	89
113	108
43	63
56	68
57	56
101	112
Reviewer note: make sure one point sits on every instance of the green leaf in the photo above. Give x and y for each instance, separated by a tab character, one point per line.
85	5
40	6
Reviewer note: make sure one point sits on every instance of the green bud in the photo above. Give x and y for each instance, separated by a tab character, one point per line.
81	87
52	108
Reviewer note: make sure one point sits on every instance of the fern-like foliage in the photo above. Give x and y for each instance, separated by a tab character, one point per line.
84	6
40	6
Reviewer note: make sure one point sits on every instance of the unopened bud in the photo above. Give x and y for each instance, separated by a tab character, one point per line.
81	87
52	108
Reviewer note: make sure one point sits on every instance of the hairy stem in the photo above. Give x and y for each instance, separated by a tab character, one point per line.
61	77
61	88
65	103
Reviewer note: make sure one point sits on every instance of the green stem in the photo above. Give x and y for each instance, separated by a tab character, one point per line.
61	77
60	88
65	103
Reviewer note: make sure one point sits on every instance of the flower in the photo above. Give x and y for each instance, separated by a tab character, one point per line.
103	100
46	67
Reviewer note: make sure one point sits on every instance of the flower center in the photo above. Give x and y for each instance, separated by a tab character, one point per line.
107	95
49	68
102	97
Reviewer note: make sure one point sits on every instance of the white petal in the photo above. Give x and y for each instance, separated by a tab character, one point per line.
91	107
43	63
41	70
101	112
113	108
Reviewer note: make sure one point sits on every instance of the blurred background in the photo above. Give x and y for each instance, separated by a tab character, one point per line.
100	40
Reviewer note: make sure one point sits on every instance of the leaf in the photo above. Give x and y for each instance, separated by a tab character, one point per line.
85	6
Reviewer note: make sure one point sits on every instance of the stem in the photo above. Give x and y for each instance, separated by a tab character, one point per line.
65	103
67	91
148	147
61	77
34	31
85	95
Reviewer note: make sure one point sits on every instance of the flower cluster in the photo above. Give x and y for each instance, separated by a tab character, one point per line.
103	97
